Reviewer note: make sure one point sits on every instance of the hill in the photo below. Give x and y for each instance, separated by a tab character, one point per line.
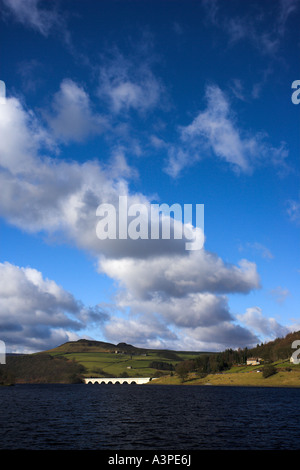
82	345
280	348
120	360
277	350
42	368
230	367
105	359
89	346
74	360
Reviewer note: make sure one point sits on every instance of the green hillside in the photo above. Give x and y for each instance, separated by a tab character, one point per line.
71	362
39	368
230	367
102	359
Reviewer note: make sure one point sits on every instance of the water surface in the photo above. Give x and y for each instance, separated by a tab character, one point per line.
108	417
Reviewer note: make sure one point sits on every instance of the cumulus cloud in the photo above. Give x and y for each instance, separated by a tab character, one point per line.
45	193
24	136
145	331
215	132
178	275
175	294
41	193
150	332
201	309
268	327
175	298
36	312
218	337
72	117
186	293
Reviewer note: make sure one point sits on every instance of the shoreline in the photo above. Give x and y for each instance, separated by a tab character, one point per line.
250	379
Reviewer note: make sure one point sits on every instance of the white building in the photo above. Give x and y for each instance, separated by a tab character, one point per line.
253	361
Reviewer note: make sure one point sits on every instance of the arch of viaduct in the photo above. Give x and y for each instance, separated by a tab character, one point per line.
117	380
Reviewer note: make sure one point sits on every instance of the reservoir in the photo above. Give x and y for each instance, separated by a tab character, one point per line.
149	417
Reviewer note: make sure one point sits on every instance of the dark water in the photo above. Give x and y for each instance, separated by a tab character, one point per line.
91	417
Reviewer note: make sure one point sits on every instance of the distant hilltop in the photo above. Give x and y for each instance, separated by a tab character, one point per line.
86	345
280	348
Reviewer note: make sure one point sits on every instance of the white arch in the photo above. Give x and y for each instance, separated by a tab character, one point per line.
118	380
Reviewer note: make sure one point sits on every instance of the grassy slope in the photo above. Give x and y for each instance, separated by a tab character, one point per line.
111	363
100	359
119	364
287	376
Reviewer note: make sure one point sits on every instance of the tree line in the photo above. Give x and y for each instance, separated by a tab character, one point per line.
40	368
210	363
278	349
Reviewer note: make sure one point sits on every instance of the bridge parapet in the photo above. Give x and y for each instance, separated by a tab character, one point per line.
117	380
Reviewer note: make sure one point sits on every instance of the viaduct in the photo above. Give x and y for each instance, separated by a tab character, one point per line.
117	380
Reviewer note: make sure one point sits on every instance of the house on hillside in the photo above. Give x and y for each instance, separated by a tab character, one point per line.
253	361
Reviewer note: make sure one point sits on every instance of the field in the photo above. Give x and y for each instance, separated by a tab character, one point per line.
287	376
122	360
100	364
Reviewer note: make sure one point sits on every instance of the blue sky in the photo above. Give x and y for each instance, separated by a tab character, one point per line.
185	102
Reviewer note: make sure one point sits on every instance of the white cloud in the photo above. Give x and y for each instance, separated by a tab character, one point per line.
293	210
176	289
217	128
41	193
178	275
186	293
268	327
32	307
191	311
218	337
179	158
215	131
72	117
145	332
126	86
259	248
29	13
45	193
280	294
24	137
286	9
